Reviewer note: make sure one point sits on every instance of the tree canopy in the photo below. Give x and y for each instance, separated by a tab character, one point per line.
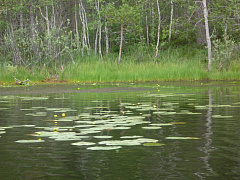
36	33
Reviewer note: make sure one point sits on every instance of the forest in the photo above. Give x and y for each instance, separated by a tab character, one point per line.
93	39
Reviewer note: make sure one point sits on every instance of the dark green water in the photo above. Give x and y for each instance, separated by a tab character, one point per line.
209	113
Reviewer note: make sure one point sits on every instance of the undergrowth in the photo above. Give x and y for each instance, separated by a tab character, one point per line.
172	64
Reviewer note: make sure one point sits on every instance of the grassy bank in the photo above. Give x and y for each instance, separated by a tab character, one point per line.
172	65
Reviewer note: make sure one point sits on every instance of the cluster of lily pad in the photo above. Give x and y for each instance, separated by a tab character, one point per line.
87	125
90	128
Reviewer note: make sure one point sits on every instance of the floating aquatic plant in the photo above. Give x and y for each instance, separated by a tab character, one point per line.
83	143
182	138
130	137
99	148
161	124
29	141
121	143
156	127
220	116
2	132
153	144
102	137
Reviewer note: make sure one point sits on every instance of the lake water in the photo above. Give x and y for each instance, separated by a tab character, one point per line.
120	131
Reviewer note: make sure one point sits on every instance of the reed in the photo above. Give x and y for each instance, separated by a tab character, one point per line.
173	64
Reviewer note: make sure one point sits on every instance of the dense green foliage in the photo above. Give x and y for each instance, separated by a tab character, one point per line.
47	37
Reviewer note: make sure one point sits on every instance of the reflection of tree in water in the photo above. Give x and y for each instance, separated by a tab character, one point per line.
91	165
207	148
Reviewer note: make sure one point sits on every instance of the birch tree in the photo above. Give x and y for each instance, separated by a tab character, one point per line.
171	22
126	16
85	34
207	35
158	32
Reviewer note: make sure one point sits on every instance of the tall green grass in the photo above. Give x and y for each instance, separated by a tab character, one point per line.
131	71
173	64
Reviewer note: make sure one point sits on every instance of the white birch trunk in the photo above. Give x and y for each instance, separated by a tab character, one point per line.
152	24
83	17
207	35
86	27
83	29
96	41
53	16
158	33
106	37
100	31
76	25
47	21
171	20
120	48
21	20
147	29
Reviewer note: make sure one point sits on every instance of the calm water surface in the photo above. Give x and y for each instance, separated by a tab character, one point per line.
206	116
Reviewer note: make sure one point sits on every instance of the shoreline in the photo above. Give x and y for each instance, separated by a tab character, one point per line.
107	87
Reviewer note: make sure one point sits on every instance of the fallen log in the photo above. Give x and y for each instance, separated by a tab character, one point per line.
19	82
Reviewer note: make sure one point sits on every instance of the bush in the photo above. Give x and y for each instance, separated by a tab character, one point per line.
225	52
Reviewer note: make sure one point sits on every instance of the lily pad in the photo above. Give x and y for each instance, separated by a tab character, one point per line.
153	144
29	141
220	116
120	143
29	125
99	148
46	134
102	137
38	107
83	143
152	127
74	138
178	122
182	138
145	140
84	126
88	131
130	137
218	105
201	107
4	108
161	124
27	109
37	114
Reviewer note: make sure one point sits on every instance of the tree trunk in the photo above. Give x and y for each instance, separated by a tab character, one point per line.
21	19
171	21
100	31
106	36
47	20
158	33
32	32
121	41
53	15
96	40
152	34
76	25
84	39
83	17
147	31
207	36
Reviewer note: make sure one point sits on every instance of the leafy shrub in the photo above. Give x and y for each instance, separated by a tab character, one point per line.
225	52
